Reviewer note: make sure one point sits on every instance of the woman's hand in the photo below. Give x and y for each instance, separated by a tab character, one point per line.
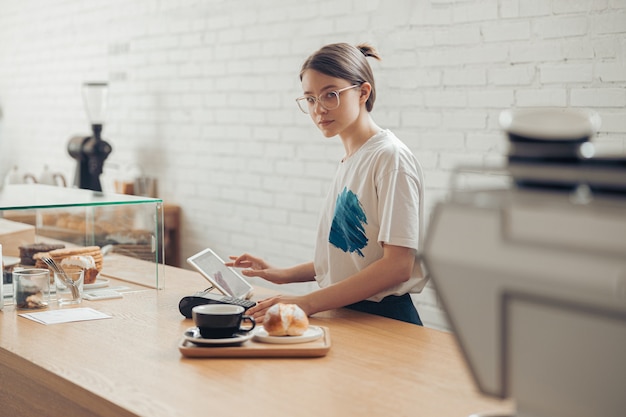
257	267
247	261
259	310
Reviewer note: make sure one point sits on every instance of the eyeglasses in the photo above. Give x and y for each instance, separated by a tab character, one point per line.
329	100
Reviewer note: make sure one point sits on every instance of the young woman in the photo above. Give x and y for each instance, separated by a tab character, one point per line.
369	229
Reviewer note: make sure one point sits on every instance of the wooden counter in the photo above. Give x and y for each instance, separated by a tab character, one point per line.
130	366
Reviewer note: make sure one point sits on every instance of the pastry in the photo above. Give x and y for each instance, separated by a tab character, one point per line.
285	320
76	263
28	251
93	251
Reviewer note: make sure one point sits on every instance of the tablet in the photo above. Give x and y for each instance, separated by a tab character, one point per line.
222	277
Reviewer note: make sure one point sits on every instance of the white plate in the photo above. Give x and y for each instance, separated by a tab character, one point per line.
100	283
312	333
192	335
10	260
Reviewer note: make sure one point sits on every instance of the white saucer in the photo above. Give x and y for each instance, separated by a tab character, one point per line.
192	335
10	260
312	333
100	283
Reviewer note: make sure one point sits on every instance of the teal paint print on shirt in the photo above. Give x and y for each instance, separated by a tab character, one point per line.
347	231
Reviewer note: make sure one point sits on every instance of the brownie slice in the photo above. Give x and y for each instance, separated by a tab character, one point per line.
27	251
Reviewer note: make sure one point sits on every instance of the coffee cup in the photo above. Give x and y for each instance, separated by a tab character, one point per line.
221	321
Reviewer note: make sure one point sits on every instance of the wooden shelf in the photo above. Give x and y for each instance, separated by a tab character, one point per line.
171	234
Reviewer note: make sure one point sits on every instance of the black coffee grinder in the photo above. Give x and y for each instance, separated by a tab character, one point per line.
90	152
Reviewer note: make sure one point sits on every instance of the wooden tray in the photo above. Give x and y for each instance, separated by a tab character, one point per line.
254	349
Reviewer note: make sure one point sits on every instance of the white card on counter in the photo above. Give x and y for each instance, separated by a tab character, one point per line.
96	295
66	315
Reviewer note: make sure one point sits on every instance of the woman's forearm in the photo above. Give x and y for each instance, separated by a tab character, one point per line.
301	273
393	269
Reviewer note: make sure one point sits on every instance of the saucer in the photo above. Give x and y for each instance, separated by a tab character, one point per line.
10	260
192	335
312	333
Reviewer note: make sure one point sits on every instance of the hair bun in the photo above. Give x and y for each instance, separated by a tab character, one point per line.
368	50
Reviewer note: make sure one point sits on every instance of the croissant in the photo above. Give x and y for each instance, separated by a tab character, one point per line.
285	320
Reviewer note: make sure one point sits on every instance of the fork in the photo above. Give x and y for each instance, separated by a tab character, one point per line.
61	273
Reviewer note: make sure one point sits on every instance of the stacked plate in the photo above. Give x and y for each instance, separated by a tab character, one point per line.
551	148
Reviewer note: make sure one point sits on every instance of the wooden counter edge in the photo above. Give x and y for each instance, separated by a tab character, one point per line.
56	396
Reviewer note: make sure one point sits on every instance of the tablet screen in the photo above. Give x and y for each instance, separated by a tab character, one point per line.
222	277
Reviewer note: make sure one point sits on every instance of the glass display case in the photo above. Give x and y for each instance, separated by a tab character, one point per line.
126	231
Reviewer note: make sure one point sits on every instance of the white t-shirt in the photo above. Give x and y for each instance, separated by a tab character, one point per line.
374	198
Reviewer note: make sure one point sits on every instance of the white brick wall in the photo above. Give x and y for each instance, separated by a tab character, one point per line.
202	96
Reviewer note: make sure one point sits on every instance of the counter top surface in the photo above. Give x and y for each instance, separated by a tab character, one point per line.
130	365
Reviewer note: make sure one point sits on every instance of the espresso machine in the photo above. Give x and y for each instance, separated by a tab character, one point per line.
90	152
532	272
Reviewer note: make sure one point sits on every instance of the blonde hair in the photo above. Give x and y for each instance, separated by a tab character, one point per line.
342	60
